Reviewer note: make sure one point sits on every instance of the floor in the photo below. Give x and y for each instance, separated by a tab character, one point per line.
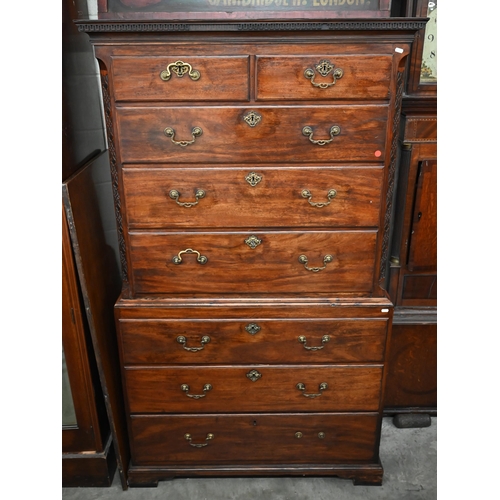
409	457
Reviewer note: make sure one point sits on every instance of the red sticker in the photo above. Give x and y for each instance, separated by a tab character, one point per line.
378	153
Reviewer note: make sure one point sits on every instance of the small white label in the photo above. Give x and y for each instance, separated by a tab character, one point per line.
397	49
385	310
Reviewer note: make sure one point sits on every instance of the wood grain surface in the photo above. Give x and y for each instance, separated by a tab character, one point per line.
231	201
221	78
254	439
227	138
158	390
234	267
275	341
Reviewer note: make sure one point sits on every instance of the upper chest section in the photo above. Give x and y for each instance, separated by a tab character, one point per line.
232	68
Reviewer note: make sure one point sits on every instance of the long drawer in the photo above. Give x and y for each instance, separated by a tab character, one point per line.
262	196
253	439
255	262
220	134
253	388
252	340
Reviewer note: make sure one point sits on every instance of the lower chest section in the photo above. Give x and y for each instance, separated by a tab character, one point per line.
235	385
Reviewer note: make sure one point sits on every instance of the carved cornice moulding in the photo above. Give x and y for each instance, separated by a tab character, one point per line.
155	27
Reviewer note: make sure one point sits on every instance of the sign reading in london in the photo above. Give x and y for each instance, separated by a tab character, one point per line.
242	5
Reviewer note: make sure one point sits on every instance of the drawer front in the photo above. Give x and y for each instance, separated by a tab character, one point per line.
181	78
260	262
226	137
264	197
323	77
253	439
253	388
252	340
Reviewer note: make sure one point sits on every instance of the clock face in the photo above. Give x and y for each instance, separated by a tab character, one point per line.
428	73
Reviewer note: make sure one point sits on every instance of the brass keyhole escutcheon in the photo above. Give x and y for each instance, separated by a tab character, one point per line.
252	328
252	118
254	375
253	241
253	178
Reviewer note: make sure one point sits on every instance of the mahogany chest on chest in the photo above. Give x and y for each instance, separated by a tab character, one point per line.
253	167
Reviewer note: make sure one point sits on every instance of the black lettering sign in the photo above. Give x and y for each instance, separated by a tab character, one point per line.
240	5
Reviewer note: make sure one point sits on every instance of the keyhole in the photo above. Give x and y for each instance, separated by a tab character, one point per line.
419	215
255	422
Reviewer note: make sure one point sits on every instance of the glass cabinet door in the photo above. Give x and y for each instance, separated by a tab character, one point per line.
68	407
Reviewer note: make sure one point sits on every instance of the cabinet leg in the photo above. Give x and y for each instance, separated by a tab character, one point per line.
410	420
367	481
134	483
368	478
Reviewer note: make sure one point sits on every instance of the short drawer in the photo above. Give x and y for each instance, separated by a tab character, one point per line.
262	388
253	262
243	197
181	78
253	439
215	134
323	77
257	340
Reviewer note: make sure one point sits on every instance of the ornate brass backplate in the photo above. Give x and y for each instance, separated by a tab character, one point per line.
179	68
252	118
253	241
252	328
253	179
324	68
254	375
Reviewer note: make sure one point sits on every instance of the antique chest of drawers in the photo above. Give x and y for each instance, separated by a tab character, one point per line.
253	167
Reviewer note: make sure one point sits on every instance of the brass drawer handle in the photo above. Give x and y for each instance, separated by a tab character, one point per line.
201	259
324	68
325	339
195	132
175	195
303	260
308	132
330	195
322	387
204	340
209	437
179	69
299	434
206	388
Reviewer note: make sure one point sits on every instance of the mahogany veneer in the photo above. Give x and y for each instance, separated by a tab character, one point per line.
242	344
